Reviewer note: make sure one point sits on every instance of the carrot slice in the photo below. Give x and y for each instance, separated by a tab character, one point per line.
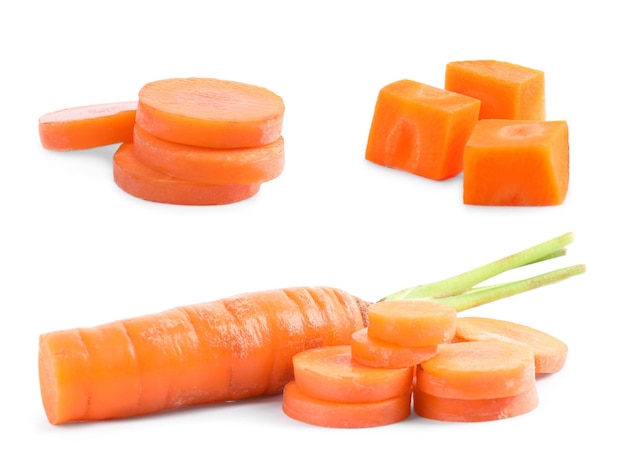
414	323
377	353
302	407
550	352
87	127
421	129
516	163
477	369
506	91
143	182
211	113
475	410
208	165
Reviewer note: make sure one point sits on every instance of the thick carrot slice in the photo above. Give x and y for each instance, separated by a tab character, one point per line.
516	163
477	369
143	182
414	323
377	353
211	113
421	129
475	410
310	410
505	90
86	127
330	373
205	165
550	352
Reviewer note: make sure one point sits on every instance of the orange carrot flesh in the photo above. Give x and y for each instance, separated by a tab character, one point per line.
302	407
87	127
205	353
330	373
517	163
205	165
412	323
210	113
377	353
505	90
550	352
474	410
421	129
141	181
477	370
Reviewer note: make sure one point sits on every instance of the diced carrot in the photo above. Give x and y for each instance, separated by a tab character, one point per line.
550	352
421	129
210	113
516	163
377	353
205	165
505	90
414	323
310	410
474	410
477	369
87	127
330	373
143	182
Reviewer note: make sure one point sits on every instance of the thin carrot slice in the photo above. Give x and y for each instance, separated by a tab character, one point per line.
143	182
377	353
477	369
87	127
302	407
210	113
330	373
421	129
414	323
550	352
475	410
505	90
208	165
516	163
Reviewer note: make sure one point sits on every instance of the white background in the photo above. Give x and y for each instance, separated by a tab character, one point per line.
78	251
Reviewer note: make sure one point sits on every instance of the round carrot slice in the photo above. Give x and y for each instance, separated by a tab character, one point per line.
143	182
481	409
302	407
477	369
412	322
377	353
550	352
330	373
87	127
211	113
209	165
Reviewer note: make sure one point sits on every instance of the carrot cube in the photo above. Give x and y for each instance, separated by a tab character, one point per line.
516	163
506	91
421	129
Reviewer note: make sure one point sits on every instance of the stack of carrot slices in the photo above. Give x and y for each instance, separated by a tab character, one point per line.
191	141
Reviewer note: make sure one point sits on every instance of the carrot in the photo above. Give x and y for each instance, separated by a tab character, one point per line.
550	352
516	163
330	373
474	410
141	181
377	353
209	112
477	369
310	410
411	322
505	90
86	127
421	129
208	165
